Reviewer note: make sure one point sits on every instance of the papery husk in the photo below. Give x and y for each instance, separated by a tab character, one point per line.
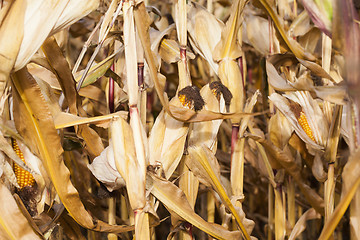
189	184
313	113
7	170
280	130
130	54
43	73
205	32
104	169
289	59
231	77
12	33
249	106
256	33
126	162
318	168
335	94
14	224
175	200
157	38
43	184
226	52
169	51
50	96
167	141
43	19
6	148
301	25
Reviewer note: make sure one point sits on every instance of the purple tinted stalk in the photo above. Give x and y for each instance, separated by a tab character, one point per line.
183	53
234	138
140	74
111	92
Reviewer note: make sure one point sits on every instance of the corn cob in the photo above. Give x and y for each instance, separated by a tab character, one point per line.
305	126
301	118
24	178
190	98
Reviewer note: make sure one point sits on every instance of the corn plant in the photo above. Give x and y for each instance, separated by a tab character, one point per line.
141	119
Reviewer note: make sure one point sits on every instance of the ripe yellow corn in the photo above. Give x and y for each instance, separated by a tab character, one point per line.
305	126
185	101
24	178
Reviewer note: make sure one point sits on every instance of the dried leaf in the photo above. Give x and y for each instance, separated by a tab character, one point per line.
300	225
175	200
62	70
64	120
292	169
280	218
290	43
204	164
34	122
351	182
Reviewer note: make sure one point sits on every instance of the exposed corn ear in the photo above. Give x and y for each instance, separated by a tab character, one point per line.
24	178
305	126
190	97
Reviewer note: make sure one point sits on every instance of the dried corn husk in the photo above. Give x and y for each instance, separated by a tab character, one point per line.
167	140
204	31
302	102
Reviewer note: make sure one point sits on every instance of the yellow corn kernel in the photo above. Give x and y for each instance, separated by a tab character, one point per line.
24	178
185	101
305	126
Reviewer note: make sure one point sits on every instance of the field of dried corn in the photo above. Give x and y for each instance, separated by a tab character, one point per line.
179	119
